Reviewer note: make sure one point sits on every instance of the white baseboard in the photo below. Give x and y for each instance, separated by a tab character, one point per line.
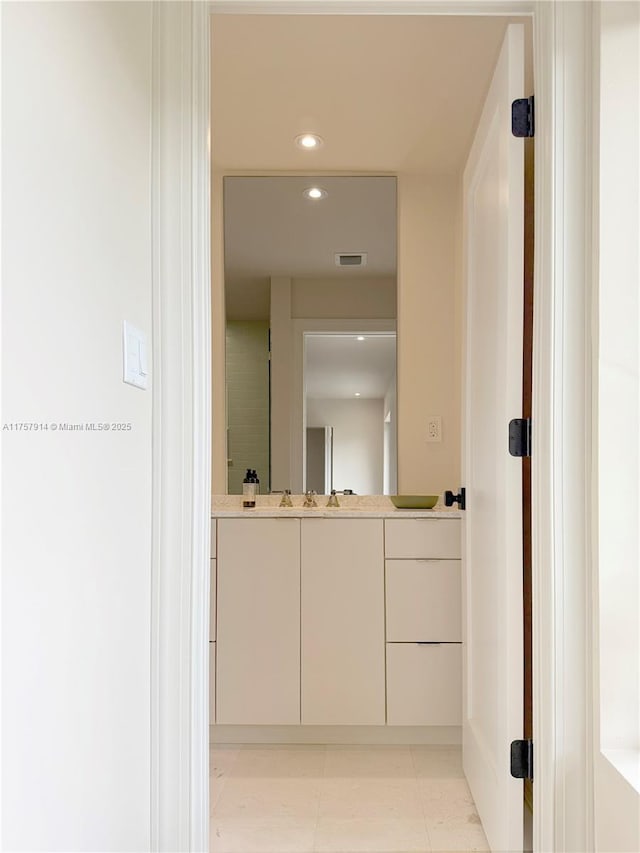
383	735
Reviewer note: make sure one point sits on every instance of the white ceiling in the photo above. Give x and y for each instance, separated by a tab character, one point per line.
386	93
336	366
272	229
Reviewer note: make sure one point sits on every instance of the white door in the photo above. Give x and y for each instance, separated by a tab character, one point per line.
492	527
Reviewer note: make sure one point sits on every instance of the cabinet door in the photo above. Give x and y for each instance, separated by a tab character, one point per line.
423	600
424	684
258	631
212	600
343	644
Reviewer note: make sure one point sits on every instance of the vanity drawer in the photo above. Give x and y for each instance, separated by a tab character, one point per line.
423	600
407	538
424	684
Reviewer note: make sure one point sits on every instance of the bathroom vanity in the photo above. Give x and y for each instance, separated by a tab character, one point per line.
335	617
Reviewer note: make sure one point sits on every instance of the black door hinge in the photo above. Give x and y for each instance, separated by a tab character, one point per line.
522	117
461	498
520	437
522	759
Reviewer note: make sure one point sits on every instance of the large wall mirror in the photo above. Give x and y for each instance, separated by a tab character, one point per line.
310	295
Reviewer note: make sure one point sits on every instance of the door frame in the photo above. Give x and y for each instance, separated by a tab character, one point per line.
565	69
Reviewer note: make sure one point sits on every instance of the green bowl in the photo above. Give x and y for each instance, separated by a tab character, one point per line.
414	501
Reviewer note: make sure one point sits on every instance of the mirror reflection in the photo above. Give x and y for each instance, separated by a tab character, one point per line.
310	294
350	412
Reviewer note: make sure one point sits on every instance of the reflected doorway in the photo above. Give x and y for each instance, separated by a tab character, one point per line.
350	412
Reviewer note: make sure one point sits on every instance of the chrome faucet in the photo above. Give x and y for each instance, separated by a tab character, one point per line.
285	500
309	499
333	499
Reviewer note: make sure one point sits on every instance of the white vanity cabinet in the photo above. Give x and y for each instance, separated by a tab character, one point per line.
336	621
343	635
258	621
423	613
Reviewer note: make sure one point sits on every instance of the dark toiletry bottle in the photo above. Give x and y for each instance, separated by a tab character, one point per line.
249	490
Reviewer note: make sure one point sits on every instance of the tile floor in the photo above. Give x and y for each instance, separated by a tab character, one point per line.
341	799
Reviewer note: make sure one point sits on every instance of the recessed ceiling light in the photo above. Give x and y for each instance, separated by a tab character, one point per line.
357	394
315	193
308	141
360	338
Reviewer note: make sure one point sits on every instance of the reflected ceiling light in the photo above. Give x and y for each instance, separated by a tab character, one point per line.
357	394
360	338
315	193
308	141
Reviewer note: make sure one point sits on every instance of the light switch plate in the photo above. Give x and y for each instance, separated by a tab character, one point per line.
134	355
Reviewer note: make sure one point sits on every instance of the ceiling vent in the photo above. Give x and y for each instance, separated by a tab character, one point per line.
351	259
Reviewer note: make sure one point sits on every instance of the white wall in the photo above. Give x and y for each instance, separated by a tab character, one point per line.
357	441
616	496
344	298
76	197
428	333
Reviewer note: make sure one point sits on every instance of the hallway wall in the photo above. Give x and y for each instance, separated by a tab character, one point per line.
76	239
429	322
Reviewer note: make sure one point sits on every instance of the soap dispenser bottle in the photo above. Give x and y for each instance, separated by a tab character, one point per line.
249	490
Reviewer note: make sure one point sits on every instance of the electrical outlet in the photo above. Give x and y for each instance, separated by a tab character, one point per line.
434	428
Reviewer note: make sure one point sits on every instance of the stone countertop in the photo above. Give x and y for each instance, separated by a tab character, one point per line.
351	506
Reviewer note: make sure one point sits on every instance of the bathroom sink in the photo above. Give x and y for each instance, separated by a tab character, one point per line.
414	501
